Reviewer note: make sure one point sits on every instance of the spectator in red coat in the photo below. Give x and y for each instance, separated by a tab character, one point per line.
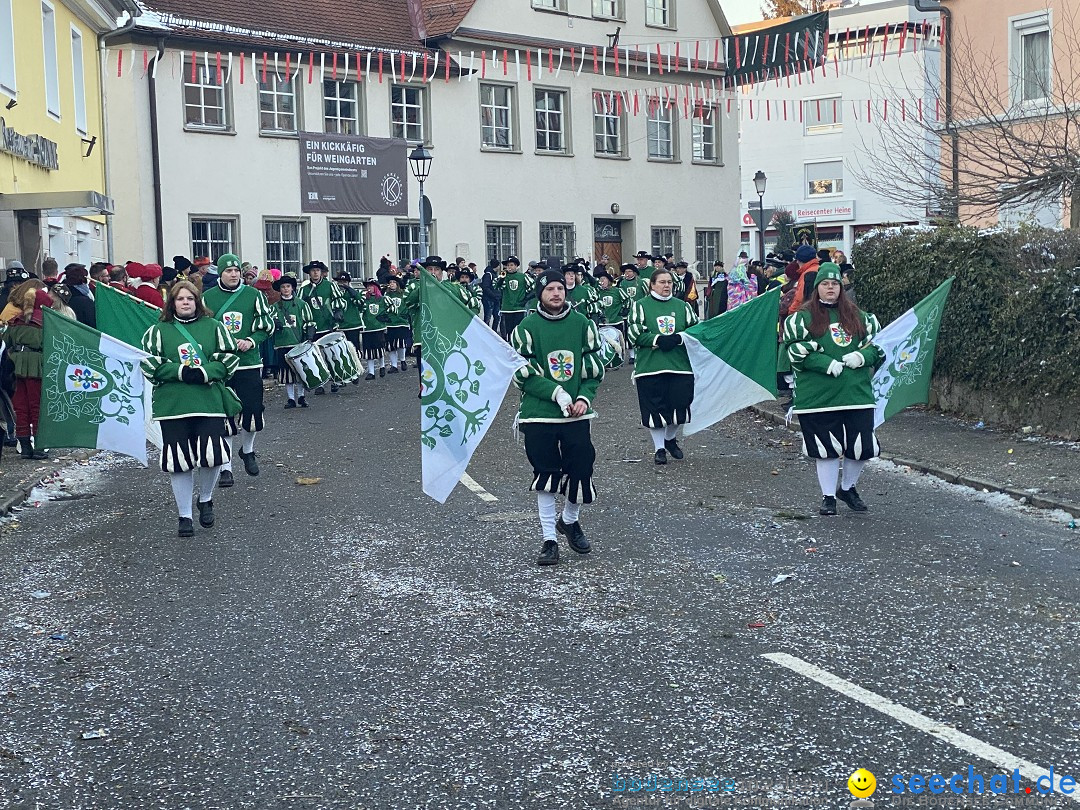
145	280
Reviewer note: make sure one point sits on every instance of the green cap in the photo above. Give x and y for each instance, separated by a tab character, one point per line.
827	271
227	261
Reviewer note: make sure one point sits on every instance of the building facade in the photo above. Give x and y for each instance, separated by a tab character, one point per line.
54	199
822	150
529	159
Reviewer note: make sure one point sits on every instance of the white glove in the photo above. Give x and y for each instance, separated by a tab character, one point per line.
564	400
835	367
854	360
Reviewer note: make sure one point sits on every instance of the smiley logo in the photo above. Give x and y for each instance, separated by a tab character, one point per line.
862	784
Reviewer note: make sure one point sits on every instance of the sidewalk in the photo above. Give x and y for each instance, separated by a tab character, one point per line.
1045	471
18	476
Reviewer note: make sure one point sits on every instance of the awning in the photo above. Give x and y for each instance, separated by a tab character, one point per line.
59	203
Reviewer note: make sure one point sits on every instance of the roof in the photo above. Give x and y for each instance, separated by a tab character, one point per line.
361	22
442	17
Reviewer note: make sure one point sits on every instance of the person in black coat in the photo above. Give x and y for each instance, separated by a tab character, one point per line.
490	294
82	300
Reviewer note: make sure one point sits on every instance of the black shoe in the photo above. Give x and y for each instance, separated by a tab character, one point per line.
573	533
206	514
251	466
382	371
26	449
852	499
549	554
290	404
225	480
320	391
404	364
369	376
187	529
632	360
356	381
673	449
40	455
302	402
661	456
334	388
828	505
393	370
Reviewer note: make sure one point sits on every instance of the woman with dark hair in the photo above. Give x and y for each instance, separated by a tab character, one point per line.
829	344
662	374
191	356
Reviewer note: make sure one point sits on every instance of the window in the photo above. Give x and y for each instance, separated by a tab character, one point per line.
822	115
658	12
551	121
408	241
708	247
705	134
554	5
204	99
665	241
608	8
662	131
557	239
284	242
348	248
52	76
7	48
1030	58
502	240
497	116
408	113
213	237
277	105
78	79
341	108
608	124
823	179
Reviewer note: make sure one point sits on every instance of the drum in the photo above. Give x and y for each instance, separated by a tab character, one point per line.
614	346
308	363
340	356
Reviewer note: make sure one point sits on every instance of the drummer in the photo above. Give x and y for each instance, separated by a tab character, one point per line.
293	324
398	334
374	338
325	298
246	316
351	321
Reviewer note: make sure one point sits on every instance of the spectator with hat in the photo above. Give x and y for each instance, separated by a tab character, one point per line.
145	281
716	292
16	275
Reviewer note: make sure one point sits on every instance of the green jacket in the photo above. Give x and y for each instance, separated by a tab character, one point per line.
817	390
375	313
584	299
323	298
170	352
295	316
564	352
24	342
516	288
247	315
395	308
612	302
651	317
353	314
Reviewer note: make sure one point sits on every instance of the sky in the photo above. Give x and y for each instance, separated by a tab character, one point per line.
741	11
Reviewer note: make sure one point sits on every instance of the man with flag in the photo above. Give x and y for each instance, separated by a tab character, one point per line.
564	367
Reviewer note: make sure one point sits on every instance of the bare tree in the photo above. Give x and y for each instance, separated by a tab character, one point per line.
774	9
991	152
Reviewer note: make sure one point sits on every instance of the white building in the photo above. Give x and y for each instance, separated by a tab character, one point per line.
203	166
813	158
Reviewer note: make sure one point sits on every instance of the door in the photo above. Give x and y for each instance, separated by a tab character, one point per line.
607	241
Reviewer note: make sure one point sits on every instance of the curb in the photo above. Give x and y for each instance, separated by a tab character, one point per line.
952	476
15	497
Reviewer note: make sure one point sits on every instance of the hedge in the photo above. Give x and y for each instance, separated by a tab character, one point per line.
1011	328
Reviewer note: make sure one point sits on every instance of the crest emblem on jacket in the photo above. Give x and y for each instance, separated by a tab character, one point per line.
233	321
666	324
188	356
561	365
839	334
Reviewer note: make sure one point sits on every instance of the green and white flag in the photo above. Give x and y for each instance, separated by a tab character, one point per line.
909	343
734	360
123	316
92	390
464	373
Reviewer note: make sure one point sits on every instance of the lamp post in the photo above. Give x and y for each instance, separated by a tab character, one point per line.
420	162
759	186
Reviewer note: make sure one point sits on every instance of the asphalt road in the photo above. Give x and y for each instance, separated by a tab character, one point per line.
351	643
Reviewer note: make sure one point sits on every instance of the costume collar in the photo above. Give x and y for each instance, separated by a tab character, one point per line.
558	317
661	297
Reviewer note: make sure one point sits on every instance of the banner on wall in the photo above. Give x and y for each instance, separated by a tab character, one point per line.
349	174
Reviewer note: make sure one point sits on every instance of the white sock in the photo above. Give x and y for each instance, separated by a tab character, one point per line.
249	440
852	471
401	355
290	391
670	431
232	450
571	512
545	505
183	487
299	391
657	438
827	471
208	478
370	366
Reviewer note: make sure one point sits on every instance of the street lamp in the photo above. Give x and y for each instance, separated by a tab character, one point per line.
420	162
759	186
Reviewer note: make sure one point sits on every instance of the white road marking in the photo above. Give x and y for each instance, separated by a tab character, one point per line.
476	489
965	742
